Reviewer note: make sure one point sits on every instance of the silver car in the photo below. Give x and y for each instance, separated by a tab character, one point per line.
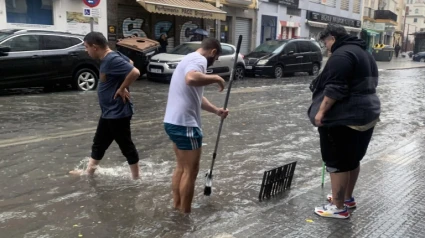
161	66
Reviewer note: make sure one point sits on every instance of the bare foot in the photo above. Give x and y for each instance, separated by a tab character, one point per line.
77	172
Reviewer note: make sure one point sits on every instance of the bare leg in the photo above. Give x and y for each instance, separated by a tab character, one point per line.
339	182
178	172
134	168
354	174
189	161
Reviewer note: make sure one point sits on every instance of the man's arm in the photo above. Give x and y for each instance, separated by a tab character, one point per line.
208	106
198	79
131	77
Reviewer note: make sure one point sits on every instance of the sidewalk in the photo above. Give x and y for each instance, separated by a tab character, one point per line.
389	197
394	64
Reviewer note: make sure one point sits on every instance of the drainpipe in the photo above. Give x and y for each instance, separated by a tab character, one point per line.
218	22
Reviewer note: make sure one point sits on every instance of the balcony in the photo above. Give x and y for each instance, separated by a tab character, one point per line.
385	15
369	12
240	2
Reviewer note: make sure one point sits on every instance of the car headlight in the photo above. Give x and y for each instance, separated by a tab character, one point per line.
262	62
172	65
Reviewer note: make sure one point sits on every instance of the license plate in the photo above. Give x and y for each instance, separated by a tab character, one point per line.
158	71
248	67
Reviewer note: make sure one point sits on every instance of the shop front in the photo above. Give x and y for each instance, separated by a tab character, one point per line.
176	19
316	22
59	15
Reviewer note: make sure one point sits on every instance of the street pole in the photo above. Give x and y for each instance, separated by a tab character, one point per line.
218	23
404	27
91	24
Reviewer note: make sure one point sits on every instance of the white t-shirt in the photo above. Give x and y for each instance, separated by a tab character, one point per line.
184	101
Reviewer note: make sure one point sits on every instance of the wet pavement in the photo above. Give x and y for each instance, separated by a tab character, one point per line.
45	135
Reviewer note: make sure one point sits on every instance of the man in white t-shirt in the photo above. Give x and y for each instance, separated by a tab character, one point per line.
182	120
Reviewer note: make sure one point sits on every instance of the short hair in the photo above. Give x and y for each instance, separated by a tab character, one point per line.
211	44
96	38
334	30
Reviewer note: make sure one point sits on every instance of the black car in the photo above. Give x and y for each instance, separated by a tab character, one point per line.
278	57
419	57
34	58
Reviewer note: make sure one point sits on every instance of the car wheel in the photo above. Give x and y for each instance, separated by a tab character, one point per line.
314	70
422	60
240	73
85	80
278	71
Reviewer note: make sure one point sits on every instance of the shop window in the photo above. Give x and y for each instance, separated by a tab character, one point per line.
23	43
30	12
293	11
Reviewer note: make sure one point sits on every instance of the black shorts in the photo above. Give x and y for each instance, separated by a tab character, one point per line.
109	130
343	148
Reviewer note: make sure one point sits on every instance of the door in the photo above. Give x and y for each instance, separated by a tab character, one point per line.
243	27
60	54
225	62
24	65
290	58
306	63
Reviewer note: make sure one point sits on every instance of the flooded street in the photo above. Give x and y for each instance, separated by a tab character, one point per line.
45	135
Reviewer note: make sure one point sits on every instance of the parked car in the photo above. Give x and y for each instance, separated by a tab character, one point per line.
419	57
34	58
277	57
139	50
162	66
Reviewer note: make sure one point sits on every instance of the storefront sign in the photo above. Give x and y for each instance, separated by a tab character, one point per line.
379	27
325	18
185	12
292	3
91	3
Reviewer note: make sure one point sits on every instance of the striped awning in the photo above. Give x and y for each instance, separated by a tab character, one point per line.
185	8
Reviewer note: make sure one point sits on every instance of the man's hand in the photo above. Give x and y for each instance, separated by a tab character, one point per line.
123	93
318	119
222	113
221	83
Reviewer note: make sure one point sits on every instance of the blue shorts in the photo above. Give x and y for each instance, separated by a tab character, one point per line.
185	138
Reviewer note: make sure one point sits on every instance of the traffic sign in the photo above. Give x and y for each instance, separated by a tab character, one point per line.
91	3
91	12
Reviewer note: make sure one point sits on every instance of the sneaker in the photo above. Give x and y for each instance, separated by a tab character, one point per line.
330	210
350	203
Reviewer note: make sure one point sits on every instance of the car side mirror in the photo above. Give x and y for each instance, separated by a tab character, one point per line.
4	50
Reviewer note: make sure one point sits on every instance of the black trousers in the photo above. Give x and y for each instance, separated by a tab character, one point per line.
119	130
343	148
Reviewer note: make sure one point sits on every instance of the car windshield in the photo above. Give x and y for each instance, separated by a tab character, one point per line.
185	49
272	46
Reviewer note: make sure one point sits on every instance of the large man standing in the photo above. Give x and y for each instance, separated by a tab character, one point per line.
182	120
117	73
346	109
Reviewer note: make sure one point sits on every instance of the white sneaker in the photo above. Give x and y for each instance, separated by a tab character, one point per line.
330	210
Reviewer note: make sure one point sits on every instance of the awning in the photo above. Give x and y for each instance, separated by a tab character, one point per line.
185	8
371	33
324	25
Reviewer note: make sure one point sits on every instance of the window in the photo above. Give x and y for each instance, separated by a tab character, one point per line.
415	19
291	47
345	5
185	49
356	6
51	42
293	11
227	50
304	46
416	11
29	12
23	43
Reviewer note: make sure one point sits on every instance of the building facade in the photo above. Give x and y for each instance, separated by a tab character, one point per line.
241	19
415	22
285	19
60	15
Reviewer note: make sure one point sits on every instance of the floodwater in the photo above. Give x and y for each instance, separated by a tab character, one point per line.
45	135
